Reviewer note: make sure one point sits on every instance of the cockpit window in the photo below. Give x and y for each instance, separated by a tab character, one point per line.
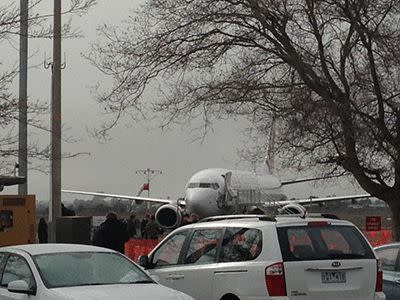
205	185
214	185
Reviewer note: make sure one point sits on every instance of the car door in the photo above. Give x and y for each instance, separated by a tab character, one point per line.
164	260
15	267
195	275
389	257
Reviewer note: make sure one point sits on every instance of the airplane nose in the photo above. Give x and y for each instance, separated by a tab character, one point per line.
201	202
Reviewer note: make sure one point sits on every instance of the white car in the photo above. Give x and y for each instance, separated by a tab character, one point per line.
67	271
389	255
259	257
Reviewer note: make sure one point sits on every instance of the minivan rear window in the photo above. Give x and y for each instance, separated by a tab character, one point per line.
300	243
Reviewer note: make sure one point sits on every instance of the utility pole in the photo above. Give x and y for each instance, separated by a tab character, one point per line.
149	174
55	203
23	98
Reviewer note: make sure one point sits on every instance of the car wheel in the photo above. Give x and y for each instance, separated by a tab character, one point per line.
230	297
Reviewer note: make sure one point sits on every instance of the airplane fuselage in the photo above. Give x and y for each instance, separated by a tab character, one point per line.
213	192
205	188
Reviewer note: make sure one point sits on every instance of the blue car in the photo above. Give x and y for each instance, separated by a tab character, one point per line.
390	260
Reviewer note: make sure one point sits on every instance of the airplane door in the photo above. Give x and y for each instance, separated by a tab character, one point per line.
199	264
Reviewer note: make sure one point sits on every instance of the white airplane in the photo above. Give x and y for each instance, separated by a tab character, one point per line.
212	192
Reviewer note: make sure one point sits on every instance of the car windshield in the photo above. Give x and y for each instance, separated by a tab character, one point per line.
88	268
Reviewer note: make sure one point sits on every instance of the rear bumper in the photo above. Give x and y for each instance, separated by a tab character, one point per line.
380	296
266	297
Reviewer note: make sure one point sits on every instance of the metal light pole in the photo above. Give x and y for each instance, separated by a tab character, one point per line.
55	203
149	175
22	103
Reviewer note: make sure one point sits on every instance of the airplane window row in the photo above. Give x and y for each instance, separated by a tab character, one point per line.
214	186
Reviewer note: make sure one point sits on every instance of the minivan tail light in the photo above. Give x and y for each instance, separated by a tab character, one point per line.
275	280
379	277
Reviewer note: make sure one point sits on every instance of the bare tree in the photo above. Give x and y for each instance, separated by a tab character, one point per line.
39	28
327	70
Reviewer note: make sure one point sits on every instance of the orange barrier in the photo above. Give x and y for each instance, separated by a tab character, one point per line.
377	238
137	247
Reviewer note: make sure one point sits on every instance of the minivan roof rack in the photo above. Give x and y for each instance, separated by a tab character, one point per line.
309	215
235	217
267	217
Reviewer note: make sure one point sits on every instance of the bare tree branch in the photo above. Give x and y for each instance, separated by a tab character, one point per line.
327	70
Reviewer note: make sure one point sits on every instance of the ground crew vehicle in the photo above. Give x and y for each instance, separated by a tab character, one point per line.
260	257
17	219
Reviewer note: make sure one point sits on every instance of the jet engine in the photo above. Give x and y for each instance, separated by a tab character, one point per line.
168	216
293	209
254	210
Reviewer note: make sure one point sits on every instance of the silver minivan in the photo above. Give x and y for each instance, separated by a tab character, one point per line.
260	257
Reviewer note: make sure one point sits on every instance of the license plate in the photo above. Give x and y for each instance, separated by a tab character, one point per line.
333	277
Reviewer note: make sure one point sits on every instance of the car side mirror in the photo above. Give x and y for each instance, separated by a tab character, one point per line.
20	287
144	261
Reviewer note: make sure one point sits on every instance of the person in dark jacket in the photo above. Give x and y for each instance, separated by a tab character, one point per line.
42	231
143	225
111	234
152	229
66	212
132	226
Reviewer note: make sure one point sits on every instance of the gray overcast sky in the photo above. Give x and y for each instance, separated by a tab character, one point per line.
111	166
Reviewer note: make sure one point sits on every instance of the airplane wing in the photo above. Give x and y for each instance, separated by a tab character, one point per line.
11	180
154	200
317	200
287	182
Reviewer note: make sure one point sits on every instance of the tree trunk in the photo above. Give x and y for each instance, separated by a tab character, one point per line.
395	210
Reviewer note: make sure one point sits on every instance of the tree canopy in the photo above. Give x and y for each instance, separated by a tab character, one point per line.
327	70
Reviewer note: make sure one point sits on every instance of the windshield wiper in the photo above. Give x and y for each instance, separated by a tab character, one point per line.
144	281
96	283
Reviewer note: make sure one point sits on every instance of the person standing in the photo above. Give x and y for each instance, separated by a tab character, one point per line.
42	231
111	234
131	226
194	218
185	220
152	229
143	225
66	212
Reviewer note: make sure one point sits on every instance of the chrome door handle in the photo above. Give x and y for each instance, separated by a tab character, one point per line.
175	277
332	269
